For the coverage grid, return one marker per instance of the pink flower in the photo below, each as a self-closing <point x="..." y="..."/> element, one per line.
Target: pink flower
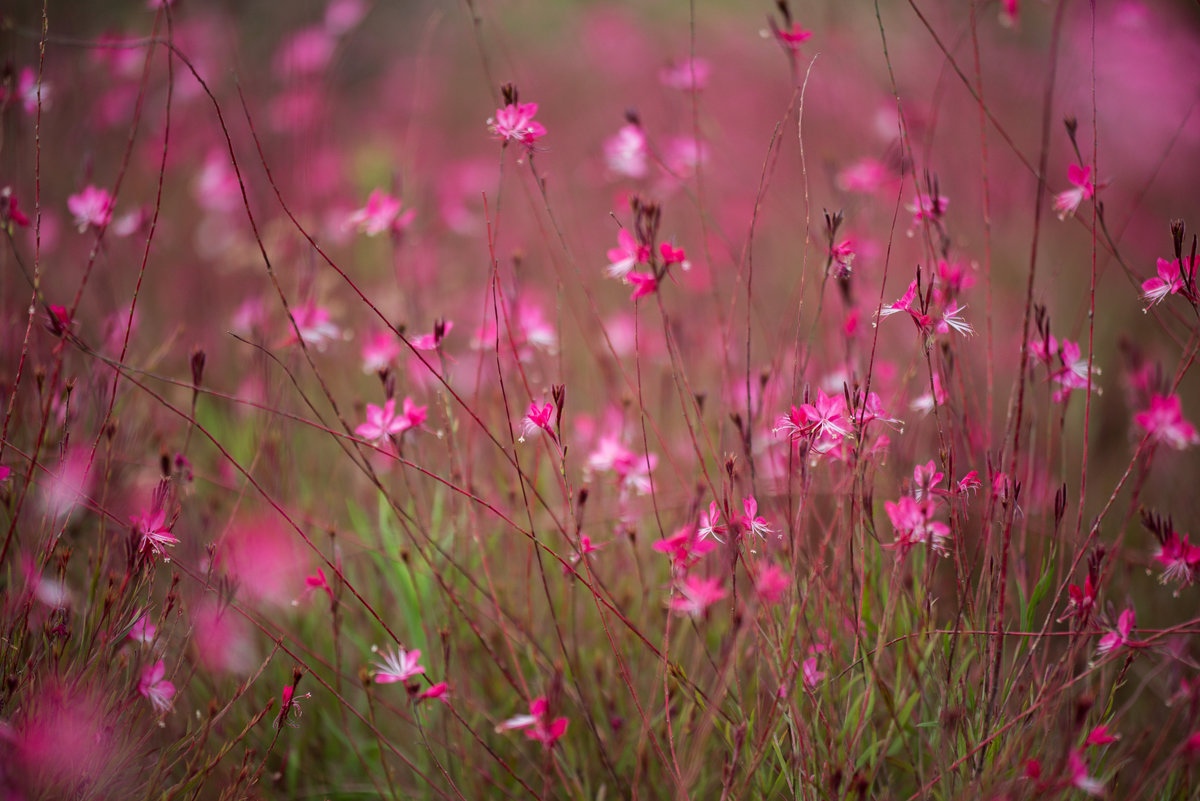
<point x="142" y="631"/>
<point x="793" y="37"/>
<point x="865" y="175"/>
<point x="925" y="478"/>
<point x="626" y="255"/>
<point x="952" y="320"/>
<point x="684" y="548"/>
<point x="384" y="422"/>
<point x="771" y="584"/>
<point x="632" y="471"/>
<point x="538" y="419"/>
<point x="91" y="207"/>
<point x="27" y="91"/>
<point x="1119" y="635"/>
<point x="643" y="284"/>
<point x="909" y="302"/>
<point x="155" y="688"/>
<point x="10" y="209"/>
<point x="1180" y="559"/>
<point x="625" y="151"/>
<point x="585" y="547"/>
<point x="1169" y="281"/>
<point x="436" y="692"/>
<point x="1065" y="203"/>
<point x="812" y="676"/>
<point x="696" y="594"/>
<point x="687" y="75"/>
<point x="954" y="277"/>
<point x="432" y="340"/>
<point x="1100" y="736"/>
<point x="753" y="522"/>
<point x="216" y="187"/>
<point x="156" y="533"/>
<point x="515" y="123"/>
<point x="673" y="255"/>
<point x="538" y="723"/>
<point x="1080" y="779"/>
<point x="289" y="706"/>
<point x="315" y="325"/>
<point x="913" y="523"/>
<point x="382" y="213"/>
<point x="927" y="208"/>
<point x="1082" y="600"/>
<point x="317" y="583"/>
<point x="1074" y="372"/>
<point x="969" y="483"/>
<point x="710" y="523"/>
<point x="398" y="665"/>
<point x="379" y="351"/>
<point x="1164" y="422"/>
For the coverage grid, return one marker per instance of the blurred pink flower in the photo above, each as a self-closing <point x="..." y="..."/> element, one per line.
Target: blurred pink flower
<point x="142" y="631"/>
<point x="771" y="584"/>
<point x="1119" y="635"/>
<point x="155" y="532"/>
<point x="793" y="37"/>
<point x="26" y="91"/>
<point x="538" y="418"/>
<point x="382" y="213"/>
<point x="384" y="422"/>
<point x="626" y="255"/>
<point x="686" y="75"/>
<point x="914" y="524"/>
<point x="92" y="206"/>
<point x="216" y="187"/>
<point x="379" y="350"/>
<point x="865" y="175"/>
<point x="1065" y="203"/>
<point x="155" y="688"/>
<point x="684" y="548"/>
<point x="812" y="676"/>
<point x="643" y="284"/>
<point x="696" y="594"/>
<point x="315" y="325"/>
<point x="625" y="151"/>
<point x="436" y="692"/>
<point x="539" y="725"/>
<point x="289" y="707"/>
<point x="1164" y="422"/>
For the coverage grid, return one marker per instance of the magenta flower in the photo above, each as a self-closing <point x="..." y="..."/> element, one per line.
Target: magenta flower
<point x="379" y="351"/>
<point x="314" y="324"/>
<point x="515" y="123"/>
<point x="539" y="724"/>
<point x="1065" y="203"/>
<point x="142" y="631"/>
<point x="1078" y="770"/>
<point x="793" y="37"/>
<point x="1074" y="372"/>
<point x="1100" y="736"/>
<point x="1180" y="559"/>
<point x="1164" y="422"/>
<point x="289" y="707"/>
<point x="951" y="319"/>
<point x="155" y="532"/>
<point x="626" y="255"/>
<point x="434" y="338"/>
<point x="643" y="284"/>
<point x="1169" y="281"/>
<point x="969" y="483"/>
<point x="752" y="520"/>
<point x="382" y="213"/>
<point x="812" y="676"/>
<point x="771" y="584"/>
<point x="384" y="422"/>
<point x="926" y="477"/>
<point x="710" y="524"/>
<point x="927" y="208"/>
<point x="696" y="594"/>
<point x="317" y="583"/>
<point x="866" y="176"/>
<point x="625" y="152"/>
<point x="538" y="419"/>
<point x="436" y="692"/>
<point x="914" y="524"/>
<point x="155" y="688"/>
<point x="398" y="665"/>
<point x="684" y="548"/>
<point x="1118" y="636"/>
<point x="91" y="207"/>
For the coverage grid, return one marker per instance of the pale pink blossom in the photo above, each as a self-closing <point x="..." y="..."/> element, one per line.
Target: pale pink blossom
<point x="216" y="187"/>
<point x="315" y="325"/>
<point x="626" y="255"/>
<point x="1169" y="281"/>
<point x="93" y="206"/>
<point x="696" y="594"/>
<point x="625" y="152"/>
<point x="710" y="523"/>
<point x="866" y="176"/>
<point x="752" y="520"/>
<point x="1066" y="203"/>
<point x="686" y="75"/>
<point x="380" y="214"/>
<point x="812" y="676"/>
<point x="1119" y="635"/>
<point x="914" y="524"/>
<point x="379" y="350"/>
<point x="684" y="548"/>
<point x="1164" y="422"/>
<point x="397" y="666"/>
<point x="771" y="584"/>
<point x="383" y="422"/>
<point x="156" y="689"/>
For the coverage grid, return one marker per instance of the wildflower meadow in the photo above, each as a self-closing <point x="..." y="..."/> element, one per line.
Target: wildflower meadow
<point x="672" y="399"/>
